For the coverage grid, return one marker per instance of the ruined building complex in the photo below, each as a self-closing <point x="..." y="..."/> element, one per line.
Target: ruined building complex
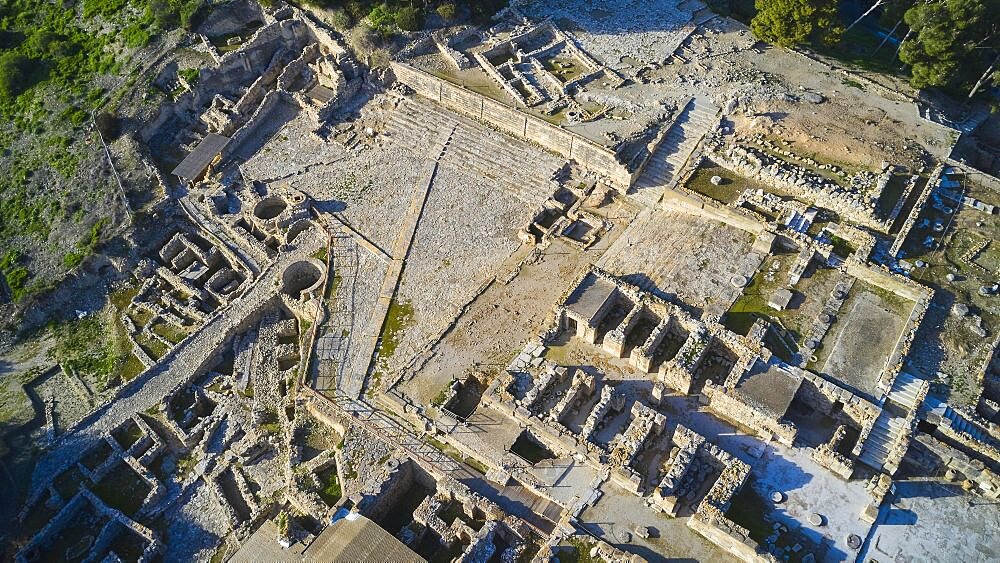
<point x="529" y="289"/>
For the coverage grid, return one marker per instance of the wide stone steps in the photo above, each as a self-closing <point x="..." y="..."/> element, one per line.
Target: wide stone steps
<point x="674" y="150"/>
<point x="524" y="173"/>
<point x="884" y="435"/>
<point x="906" y="389"/>
<point x="960" y="424"/>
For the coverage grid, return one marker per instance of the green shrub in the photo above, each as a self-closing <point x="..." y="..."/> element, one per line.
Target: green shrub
<point x="73" y="258"/>
<point x="74" y="115"/>
<point x="340" y="19"/>
<point x="382" y="18"/>
<point x="190" y="75"/>
<point x="357" y="9"/>
<point x="136" y="36"/>
<point x="447" y="11"/>
<point x="105" y="8"/>
<point x="410" y="19"/>
<point x="12" y="74"/>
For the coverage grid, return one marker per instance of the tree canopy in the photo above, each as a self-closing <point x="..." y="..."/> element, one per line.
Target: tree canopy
<point x="794" y="22"/>
<point x="953" y="42"/>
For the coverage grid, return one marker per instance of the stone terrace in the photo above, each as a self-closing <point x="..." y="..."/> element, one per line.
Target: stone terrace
<point x="677" y="254"/>
<point x="517" y="166"/>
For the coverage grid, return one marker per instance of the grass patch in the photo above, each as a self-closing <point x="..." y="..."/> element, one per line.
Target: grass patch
<point x="727" y="192"/>
<point x="330" y="490"/>
<point x="752" y="303"/>
<point x="398" y="317"/>
<point x="170" y="331"/>
<point x="93" y="346"/>
<point x="152" y="346"/>
<point x="15" y="406"/>
<point x="577" y="550"/>
<point x="842" y="247"/>
<point x="271" y="422"/>
<point x="456" y="455"/>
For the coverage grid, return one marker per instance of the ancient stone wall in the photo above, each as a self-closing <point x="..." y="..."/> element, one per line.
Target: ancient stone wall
<point x="823" y="395"/>
<point x="728" y="407"/>
<point x="272" y="99"/>
<point x="686" y="201"/>
<point x="918" y="207"/>
<point x="727" y="535"/>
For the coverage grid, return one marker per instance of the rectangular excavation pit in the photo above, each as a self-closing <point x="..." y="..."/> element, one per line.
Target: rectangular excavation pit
<point x="564" y="66"/>
<point x="547" y="217"/>
<point x="640" y="332"/>
<point x="74" y="539"/>
<point x="574" y="421"/>
<point x="814" y="427"/>
<point x="696" y="482"/>
<point x="97" y="455"/>
<point x="431" y="548"/>
<point x="530" y="448"/>
<point x="671" y="343"/>
<point x="401" y="513"/>
<point x="548" y="399"/>
<point x="716" y="367"/>
<point x="329" y="485"/>
<point x="227" y="482"/>
<point x="579" y="231"/>
<point x="611" y="424"/>
<point x="454" y="509"/>
<point x="189" y="406"/>
<point x="123" y="489"/>
<point x="565" y="197"/>
<point x="127" y="545"/>
<point x="465" y="401"/>
<point x="621" y="308"/>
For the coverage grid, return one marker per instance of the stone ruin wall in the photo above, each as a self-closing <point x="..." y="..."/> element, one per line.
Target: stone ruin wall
<point x="940" y="455"/>
<point x="822" y="395"/>
<point x="686" y="201"/>
<point x="588" y="154"/>
<point x="729" y="407"/>
<point x="902" y="286"/>
<point x="710" y="519"/>
<point x="828" y="456"/>
<point x="918" y="207"/>
<point x="729" y="536"/>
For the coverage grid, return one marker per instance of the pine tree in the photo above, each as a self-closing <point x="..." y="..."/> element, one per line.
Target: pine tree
<point x="952" y="41"/>
<point x="793" y="22"/>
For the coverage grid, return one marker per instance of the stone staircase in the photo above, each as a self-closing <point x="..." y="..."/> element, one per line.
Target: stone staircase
<point x="891" y="432"/>
<point x="887" y="431"/>
<point x="907" y="390"/>
<point x="961" y="424"/>
<point x="674" y="151"/>
<point x="513" y="165"/>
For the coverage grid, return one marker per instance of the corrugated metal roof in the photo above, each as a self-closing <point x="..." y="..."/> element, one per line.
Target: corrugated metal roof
<point x="349" y="540"/>
<point x="198" y="160"/>
<point x="359" y="539"/>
